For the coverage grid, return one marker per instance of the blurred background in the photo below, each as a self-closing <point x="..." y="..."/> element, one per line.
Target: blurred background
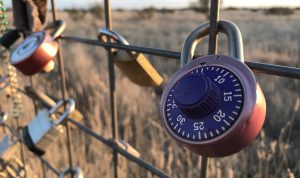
<point x="271" y="34"/>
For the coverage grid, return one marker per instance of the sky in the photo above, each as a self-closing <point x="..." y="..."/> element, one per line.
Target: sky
<point x="135" y="4"/>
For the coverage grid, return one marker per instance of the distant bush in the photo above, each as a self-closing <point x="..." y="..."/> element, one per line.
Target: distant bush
<point x="96" y="10"/>
<point x="198" y="9"/>
<point x="146" y="13"/>
<point x="120" y="10"/>
<point x="75" y="14"/>
<point x="254" y="9"/>
<point x="167" y="11"/>
<point x="231" y="9"/>
<point x="279" y="11"/>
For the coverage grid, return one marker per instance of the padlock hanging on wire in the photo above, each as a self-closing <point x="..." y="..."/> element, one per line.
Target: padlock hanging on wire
<point x="35" y="54"/>
<point x="46" y="101"/>
<point x="134" y="65"/>
<point x="213" y="105"/>
<point x="44" y="129"/>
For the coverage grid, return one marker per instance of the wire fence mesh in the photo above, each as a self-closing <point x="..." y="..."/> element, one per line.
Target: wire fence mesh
<point x="270" y="69"/>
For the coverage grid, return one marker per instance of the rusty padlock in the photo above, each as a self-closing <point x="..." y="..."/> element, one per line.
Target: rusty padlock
<point x="36" y="52"/>
<point x="43" y="130"/>
<point x="213" y="105"/>
<point x="134" y="65"/>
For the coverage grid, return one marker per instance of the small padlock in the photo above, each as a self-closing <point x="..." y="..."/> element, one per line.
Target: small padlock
<point x="43" y="130"/>
<point x="75" y="171"/>
<point x="134" y="65"/>
<point x="45" y="101"/>
<point x="8" y="147"/>
<point x="213" y="105"/>
<point x="36" y="52"/>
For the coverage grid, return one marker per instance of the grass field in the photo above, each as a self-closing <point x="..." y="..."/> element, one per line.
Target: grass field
<point x="267" y="38"/>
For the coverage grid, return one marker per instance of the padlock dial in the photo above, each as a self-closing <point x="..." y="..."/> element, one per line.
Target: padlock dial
<point x="204" y="103"/>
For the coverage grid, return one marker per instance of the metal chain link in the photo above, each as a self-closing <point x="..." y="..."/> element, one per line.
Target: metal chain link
<point x="3" y="18"/>
<point x="17" y="106"/>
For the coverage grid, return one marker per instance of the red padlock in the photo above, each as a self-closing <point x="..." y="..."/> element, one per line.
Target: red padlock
<point x="36" y="52"/>
<point x="213" y="105"/>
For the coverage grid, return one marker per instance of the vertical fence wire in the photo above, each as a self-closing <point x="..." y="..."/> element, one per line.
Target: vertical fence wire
<point x="112" y="88"/>
<point x="63" y="86"/>
<point x="214" y="16"/>
<point x="16" y="106"/>
<point x="212" y="49"/>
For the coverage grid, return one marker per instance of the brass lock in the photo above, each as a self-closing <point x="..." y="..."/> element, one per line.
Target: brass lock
<point x="134" y="65"/>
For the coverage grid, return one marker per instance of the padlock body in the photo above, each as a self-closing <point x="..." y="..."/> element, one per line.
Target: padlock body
<point x="232" y="122"/>
<point x="40" y="133"/>
<point x="239" y="138"/>
<point x="34" y="53"/>
<point x="137" y="68"/>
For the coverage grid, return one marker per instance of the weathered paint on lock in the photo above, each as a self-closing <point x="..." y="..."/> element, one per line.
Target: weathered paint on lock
<point x="214" y="106"/>
<point x="36" y="52"/>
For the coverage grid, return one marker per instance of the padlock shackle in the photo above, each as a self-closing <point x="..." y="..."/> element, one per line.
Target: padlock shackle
<point x="56" y="28"/>
<point x="113" y="35"/>
<point x="76" y="172"/>
<point x="235" y="42"/>
<point x="70" y="107"/>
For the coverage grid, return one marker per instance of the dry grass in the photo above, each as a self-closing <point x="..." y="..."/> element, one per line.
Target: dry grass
<point x="275" y="153"/>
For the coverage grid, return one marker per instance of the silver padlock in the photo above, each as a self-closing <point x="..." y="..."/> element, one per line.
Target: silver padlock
<point x="8" y="147"/>
<point x="43" y="130"/>
<point x="46" y="101"/>
<point x="134" y="65"/>
<point x="75" y="171"/>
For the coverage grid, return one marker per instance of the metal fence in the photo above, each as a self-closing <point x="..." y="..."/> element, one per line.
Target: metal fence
<point x="278" y="70"/>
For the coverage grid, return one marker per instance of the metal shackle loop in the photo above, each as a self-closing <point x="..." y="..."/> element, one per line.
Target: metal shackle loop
<point x="234" y="38"/>
<point x="56" y="28"/>
<point x="70" y="107"/>
<point x="76" y="171"/>
<point x="113" y="35"/>
<point x="119" y="39"/>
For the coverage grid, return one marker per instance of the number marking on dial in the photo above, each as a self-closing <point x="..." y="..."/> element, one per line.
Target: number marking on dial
<point x="218" y="121"/>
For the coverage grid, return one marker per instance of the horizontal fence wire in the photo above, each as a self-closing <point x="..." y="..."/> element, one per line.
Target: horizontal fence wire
<point x="113" y="145"/>
<point x="258" y="67"/>
<point x="49" y="166"/>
